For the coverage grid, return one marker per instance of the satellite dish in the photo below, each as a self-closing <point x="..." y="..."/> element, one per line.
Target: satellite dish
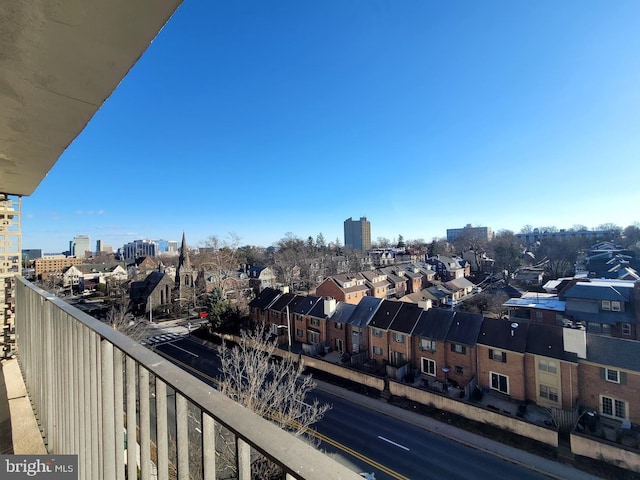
<point x="514" y="325"/>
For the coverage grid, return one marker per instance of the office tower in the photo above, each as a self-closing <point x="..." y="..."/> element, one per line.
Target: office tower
<point x="79" y="246"/>
<point x="139" y="248"/>
<point x="357" y="234"/>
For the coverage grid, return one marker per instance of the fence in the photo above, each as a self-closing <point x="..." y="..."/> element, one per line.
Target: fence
<point x="89" y="385"/>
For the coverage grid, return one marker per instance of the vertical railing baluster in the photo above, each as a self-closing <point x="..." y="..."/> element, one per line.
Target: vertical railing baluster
<point x="83" y="459"/>
<point x="145" y="429"/>
<point x="182" y="436"/>
<point x="162" y="435"/>
<point x="208" y="446"/>
<point x="76" y="386"/>
<point x="48" y="391"/>
<point x="68" y="385"/>
<point x="118" y="392"/>
<point x="59" y="375"/>
<point x="108" y="408"/>
<point x="94" y="431"/>
<point x="243" y="451"/>
<point x="132" y="441"/>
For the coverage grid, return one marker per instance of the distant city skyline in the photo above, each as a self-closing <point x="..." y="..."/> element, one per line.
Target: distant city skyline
<point x="260" y="120"/>
<point x="340" y="239"/>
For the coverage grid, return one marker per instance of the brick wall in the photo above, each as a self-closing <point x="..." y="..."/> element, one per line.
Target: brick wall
<point x="513" y="368"/>
<point x="593" y="386"/>
<point x="466" y="361"/>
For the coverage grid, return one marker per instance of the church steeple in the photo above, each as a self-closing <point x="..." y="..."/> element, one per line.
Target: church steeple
<point x="184" y="261"/>
<point x="184" y="271"/>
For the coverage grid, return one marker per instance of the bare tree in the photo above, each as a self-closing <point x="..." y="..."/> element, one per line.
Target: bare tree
<point x="221" y="259"/>
<point x="119" y="318"/>
<point x="506" y="253"/>
<point x="289" y="257"/>
<point x="274" y="388"/>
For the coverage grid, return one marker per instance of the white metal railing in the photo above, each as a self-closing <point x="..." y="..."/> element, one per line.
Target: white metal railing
<point x="90" y="384"/>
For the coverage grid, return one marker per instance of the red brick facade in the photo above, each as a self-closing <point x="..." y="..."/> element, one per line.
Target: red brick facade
<point x="594" y="386"/>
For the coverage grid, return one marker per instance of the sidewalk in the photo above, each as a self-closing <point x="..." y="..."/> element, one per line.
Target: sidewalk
<point x="19" y="431"/>
<point x="541" y="465"/>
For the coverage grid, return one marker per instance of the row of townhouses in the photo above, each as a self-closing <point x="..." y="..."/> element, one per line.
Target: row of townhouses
<point x="558" y="365"/>
<point x="440" y="280"/>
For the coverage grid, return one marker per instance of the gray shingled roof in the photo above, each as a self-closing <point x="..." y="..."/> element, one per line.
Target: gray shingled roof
<point x="365" y="311"/>
<point x="385" y="314"/>
<point x="406" y="318"/>
<point x="304" y="306"/>
<point x="434" y="323"/>
<point x="503" y="334"/>
<point x="613" y="352"/>
<point x="265" y="298"/>
<point x="282" y="301"/>
<point x="547" y="340"/>
<point x="599" y="291"/>
<point x="343" y="312"/>
<point x="465" y="328"/>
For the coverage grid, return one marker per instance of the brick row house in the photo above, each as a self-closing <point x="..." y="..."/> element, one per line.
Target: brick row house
<point x="349" y="288"/>
<point x="550" y="365"/>
<point x="448" y="268"/>
<point x="386" y="283"/>
<point x="603" y="306"/>
<point x="609" y="378"/>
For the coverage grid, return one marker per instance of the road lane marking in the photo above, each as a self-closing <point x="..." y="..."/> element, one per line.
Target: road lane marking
<point x="393" y="443"/>
<point x="180" y="348"/>
<point x="314" y="433"/>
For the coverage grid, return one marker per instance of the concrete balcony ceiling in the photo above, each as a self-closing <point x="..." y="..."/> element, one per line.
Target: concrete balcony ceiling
<point x="59" y="62"/>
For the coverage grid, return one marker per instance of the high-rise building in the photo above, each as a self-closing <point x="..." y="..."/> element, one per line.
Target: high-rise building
<point x="139" y="248"/>
<point x="102" y="248"/>
<point x="79" y="246"/>
<point x="481" y="233"/>
<point x="357" y="234"/>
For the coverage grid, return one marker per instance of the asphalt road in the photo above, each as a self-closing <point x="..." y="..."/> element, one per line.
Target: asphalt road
<point x="371" y="441"/>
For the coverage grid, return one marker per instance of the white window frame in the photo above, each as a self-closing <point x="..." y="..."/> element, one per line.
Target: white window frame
<point x="314" y="337"/>
<point x="613" y="406"/>
<point x="377" y="351"/>
<point x="431" y="363"/>
<point x="626" y="329"/>
<point x="426" y="344"/>
<point x="616" y="306"/>
<point x="498" y="375"/>
<point x="612" y="375"/>
<point x="606" y="305"/>
<point x="398" y="337"/>
<point x="376" y="332"/>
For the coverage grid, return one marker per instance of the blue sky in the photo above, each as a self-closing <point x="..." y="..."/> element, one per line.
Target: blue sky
<point x="262" y="118"/>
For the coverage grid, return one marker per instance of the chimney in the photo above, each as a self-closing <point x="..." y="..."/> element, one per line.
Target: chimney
<point x="329" y="306"/>
<point x="574" y="339"/>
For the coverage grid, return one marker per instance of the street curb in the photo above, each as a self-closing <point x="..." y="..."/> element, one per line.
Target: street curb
<point x="404" y="415"/>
